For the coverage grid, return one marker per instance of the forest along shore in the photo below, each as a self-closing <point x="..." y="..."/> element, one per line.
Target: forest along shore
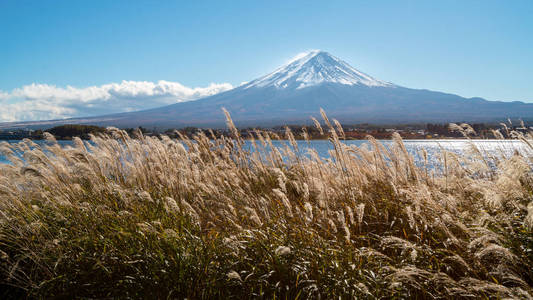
<point x="351" y="132"/>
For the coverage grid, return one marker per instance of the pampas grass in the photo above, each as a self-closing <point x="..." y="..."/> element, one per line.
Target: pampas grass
<point x="205" y="218"/>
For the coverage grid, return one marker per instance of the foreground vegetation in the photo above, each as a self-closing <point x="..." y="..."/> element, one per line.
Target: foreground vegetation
<point x="203" y="218"/>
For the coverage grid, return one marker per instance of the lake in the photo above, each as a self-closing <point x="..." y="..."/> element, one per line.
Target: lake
<point x="432" y="147"/>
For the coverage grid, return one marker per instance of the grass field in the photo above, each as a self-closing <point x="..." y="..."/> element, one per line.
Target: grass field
<point x="203" y="218"/>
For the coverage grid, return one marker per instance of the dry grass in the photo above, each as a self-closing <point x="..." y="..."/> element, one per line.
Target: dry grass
<point x="204" y="218"/>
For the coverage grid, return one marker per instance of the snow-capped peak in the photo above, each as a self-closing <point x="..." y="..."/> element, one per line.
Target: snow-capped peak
<point x="313" y="68"/>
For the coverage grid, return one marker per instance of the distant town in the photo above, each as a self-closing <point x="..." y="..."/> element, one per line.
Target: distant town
<point x="352" y="132"/>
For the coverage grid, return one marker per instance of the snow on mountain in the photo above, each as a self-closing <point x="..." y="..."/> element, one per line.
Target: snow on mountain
<point x="313" y="68"/>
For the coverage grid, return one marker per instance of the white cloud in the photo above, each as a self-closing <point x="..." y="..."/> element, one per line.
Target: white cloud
<point x="3" y="95"/>
<point x="301" y="55"/>
<point x="45" y="102"/>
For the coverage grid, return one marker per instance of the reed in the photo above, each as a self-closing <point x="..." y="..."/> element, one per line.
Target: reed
<point x="205" y="218"/>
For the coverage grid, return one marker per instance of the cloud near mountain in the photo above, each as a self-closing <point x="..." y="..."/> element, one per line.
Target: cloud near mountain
<point x="45" y="102"/>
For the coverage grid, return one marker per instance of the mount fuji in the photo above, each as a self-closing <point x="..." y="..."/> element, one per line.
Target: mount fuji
<point x="314" y="80"/>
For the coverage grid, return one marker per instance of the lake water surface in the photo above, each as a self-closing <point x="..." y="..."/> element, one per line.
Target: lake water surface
<point x="432" y="147"/>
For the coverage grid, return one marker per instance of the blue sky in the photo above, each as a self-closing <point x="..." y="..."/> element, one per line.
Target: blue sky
<point x="471" y="48"/>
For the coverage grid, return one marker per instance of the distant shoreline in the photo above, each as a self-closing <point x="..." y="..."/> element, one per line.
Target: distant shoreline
<point x="427" y="131"/>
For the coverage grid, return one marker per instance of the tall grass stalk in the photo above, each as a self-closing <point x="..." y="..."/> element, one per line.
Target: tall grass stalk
<point x="205" y="218"/>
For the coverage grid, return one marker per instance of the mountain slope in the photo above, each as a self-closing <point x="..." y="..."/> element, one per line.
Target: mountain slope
<point x="297" y="90"/>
